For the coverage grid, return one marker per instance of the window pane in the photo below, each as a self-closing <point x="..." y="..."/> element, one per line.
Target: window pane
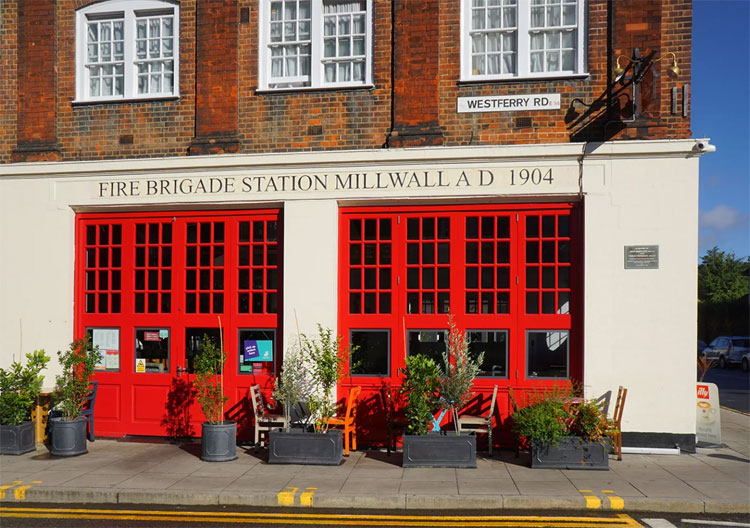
<point x="494" y="344"/>
<point x="430" y="343"/>
<point x="152" y="346"/>
<point x="547" y="354"/>
<point x="370" y="353"/>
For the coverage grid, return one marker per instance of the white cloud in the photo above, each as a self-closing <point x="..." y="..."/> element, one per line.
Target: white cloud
<point x="721" y="217"/>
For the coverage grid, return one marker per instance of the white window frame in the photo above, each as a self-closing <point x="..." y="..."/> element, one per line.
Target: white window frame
<point x="523" y="46"/>
<point x="317" y="60"/>
<point x="127" y="11"/>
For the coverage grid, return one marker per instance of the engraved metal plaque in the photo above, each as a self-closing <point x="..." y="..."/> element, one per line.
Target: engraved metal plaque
<point x="641" y="257"/>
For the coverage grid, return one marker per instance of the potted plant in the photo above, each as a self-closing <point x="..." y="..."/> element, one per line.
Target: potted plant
<point x="427" y="388"/>
<point x="311" y="371"/>
<point x="68" y="431"/>
<point x="218" y="436"/>
<point x="19" y="389"/>
<point x="564" y="432"/>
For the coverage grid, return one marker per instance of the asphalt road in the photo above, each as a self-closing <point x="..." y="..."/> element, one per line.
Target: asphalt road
<point x="117" y="516"/>
<point x="734" y="387"/>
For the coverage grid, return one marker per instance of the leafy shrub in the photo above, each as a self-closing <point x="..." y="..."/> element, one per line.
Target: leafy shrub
<point x="20" y="387"/>
<point x="459" y="371"/>
<point x="72" y="385"/>
<point x="421" y="384"/>
<point x="208" y="365"/>
<point x="589" y="421"/>
<point x="543" y="422"/>
<point x="291" y="385"/>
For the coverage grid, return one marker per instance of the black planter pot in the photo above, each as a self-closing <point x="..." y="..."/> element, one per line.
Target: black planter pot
<point x="67" y="437"/>
<point x="17" y="439"/>
<point x="571" y="453"/>
<point x="219" y="442"/>
<point x="438" y="450"/>
<point x="298" y="447"/>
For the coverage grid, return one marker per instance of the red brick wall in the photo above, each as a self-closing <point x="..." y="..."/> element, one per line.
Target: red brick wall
<point x="423" y="96"/>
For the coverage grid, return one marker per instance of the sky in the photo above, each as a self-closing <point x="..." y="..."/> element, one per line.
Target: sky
<point x="721" y="111"/>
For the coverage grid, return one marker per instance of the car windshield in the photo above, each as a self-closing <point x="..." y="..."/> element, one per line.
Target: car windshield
<point x="741" y="342"/>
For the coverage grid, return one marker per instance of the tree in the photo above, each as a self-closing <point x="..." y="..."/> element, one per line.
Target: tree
<point x="722" y="277"/>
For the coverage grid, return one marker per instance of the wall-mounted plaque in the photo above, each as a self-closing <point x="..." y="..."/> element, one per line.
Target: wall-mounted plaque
<point x="641" y="257"/>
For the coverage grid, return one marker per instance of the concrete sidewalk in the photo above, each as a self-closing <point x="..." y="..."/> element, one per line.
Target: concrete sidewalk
<point x="128" y="472"/>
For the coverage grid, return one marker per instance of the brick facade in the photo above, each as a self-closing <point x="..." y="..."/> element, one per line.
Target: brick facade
<point x="416" y="81"/>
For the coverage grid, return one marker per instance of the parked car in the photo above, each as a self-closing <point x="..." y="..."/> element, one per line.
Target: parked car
<point x="728" y="350"/>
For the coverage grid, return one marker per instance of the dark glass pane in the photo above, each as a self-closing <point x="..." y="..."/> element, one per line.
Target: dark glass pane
<point x="218" y="279"/>
<point x="428" y="253"/>
<point x="503" y="252"/>
<point x="243" y="303"/>
<point x="191" y="257"/>
<point x="103" y="280"/>
<point x="272" y="231"/>
<point x="90" y="303"/>
<point x="548" y="226"/>
<point x="371" y="352"/>
<point x="532" y="252"/>
<point x="385" y="254"/>
<point x="412" y="229"/>
<point x="194" y="343"/>
<point x="532" y="277"/>
<point x="563" y="277"/>
<point x="430" y="343"/>
<point x="371" y="282"/>
<point x="166" y="256"/>
<point x="272" y="254"/>
<point x="271" y="276"/>
<point x="166" y="233"/>
<point x="428" y="278"/>
<point x="90" y="235"/>
<point x="472" y="227"/>
<point x="257" y="255"/>
<point x="244" y="279"/>
<point x="370" y="303"/>
<point x="503" y="302"/>
<point x="117" y="234"/>
<point x="153" y="303"/>
<point x="428" y="303"/>
<point x="257" y="279"/>
<point x="140" y="233"/>
<point x="219" y="232"/>
<point x="90" y="280"/>
<point x="444" y="302"/>
<point x="428" y="228"/>
<point x="412" y="303"/>
<point x="547" y="354"/>
<point x="371" y="254"/>
<point x="412" y="278"/>
<point x="116" y="304"/>
<point x="91" y="258"/>
<point x="494" y="346"/>
<point x="218" y="256"/>
<point x="472" y="277"/>
<point x="548" y="277"/>
<point x="153" y="279"/>
<point x="355" y="254"/>
<point x="488" y="278"/>
<point x="204" y="303"/>
<point x="166" y="280"/>
<point x="503" y="227"/>
<point x="563" y="249"/>
<point x="385" y="303"/>
<point x="153" y="256"/>
<point x="355" y="278"/>
<point x="548" y="251"/>
<point x="272" y="303"/>
<point x="103" y="257"/>
<point x="257" y="303"/>
<point x="355" y="229"/>
<point x="205" y="255"/>
<point x="385" y="279"/>
<point x="192" y="233"/>
<point x="244" y="255"/>
<point x="548" y="302"/>
<point x="244" y="231"/>
<point x="385" y="229"/>
<point x="140" y="280"/>
<point x="412" y="253"/>
<point x="205" y="279"/>
<point x="116" y="280"/>
<point x="190" y="280"/>
<point x="205" y="232"/>
<point x="371" y="229"/>
<point x="563" y="302"/>
<point x="444" y="279"/>
<point x="153" y="233"/>
<point x="355" y="303"/>
<point x="116" y="257"/>
<point x="563" y="226"/>
<point x="218" y="303"/>
<point x="140" y="303"/>
<point x="472" y="302"/>
<point x="444" y="253"/>
<point x="104" y="234"/>
<point x="190" y="302"/>
<point x="532" y="227"/>
<point x="503" y="277"/>
<point x="488" y="227"/>
<point x="488" y="302"/>
<point x="103" y="303"/>
<point x="444" y="228"/>
<point x="488" y="253"/>
<point x="532" y="303"/>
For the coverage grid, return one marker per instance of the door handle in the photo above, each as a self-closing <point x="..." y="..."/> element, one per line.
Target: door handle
<point x="180" y="370"/>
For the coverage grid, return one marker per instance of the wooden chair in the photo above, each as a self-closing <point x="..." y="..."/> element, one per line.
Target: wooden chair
<point x="616" y="435"/>
<point x="393" y="424"/>
<point x="349" y="421"/>
<point x="88" y="408"/>
<point x="264" y="421"/>
<point x="481" y="423"/>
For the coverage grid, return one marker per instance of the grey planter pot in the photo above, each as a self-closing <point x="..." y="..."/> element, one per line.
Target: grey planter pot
<point x="17" y="439"/>
<point x="219" y="442"/>
<point x="571" y="453"/>
<point x="67" y="437"/>
<point x="437" y="450"/>
<point x="297" y="447"/>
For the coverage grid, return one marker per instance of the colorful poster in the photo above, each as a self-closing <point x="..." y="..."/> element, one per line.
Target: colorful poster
<point x="708" y="414"/>
<point x="258" y="350"/>
<point x="108" y="341"/>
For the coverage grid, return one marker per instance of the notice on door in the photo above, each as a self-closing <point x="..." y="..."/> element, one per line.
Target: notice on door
<point x="140" y="365"/>
<point x="708" y="415"/>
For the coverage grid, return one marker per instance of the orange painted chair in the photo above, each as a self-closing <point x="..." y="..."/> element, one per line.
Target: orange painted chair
<point x="616" y="435"/>
<point x="349" y="421"/>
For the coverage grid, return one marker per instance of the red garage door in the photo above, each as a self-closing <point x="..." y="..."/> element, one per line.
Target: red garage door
<point x="509" y="275"/>
<point x="150" y="286"/>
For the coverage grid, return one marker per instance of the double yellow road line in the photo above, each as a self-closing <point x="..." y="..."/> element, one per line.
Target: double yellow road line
<point x="616" y="521"/>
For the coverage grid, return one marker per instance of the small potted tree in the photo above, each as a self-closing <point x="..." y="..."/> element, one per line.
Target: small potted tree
<point x="564" y="432"/>
<point x="427" y="389"/>
<point x="218" y="436"/>
<point x="19" y="389"/>
<point x="68" y="431"/>
<point x="321" y="361"/>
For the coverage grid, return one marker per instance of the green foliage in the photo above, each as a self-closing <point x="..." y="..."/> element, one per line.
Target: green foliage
<point x="328" y="360"/>
<point x="72" y="385"/>
<point x="291" y="386"/>
<point x="20" y="387"/>
<point x="421" y="384"/>
<point x="208" y="364"/>
<point x="542" y="422"/>
<point x="459" y="370"/>
<point x="722" y="276"/>
<point x="589" y="421"/>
